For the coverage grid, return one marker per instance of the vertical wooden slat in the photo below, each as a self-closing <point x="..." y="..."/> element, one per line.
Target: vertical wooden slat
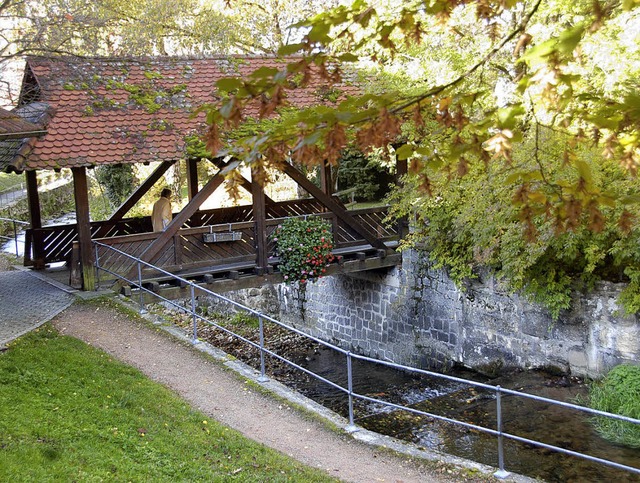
<point x="177" y="248"/>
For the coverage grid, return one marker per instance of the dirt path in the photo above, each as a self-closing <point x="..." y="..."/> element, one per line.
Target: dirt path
<point x="210" y="387"/>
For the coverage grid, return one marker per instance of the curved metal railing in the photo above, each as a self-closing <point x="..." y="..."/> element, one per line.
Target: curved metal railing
<point x="498" y="431"/>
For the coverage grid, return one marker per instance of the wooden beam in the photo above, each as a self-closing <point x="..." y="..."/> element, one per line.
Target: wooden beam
<point x="141" y="191"/>
<point x="83" y="220"/>
<point x="326" y="182"/>
<point x="260" y="217"/>
<point x="192" y="177"/>
<point x="339" y="210"/>
<point x="187" y="212"/>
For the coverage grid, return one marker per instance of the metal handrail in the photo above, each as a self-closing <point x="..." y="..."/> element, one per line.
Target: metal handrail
<point x="14" y="193"/>
<point x="499" y="391"/>
<point x="15" y="232"/>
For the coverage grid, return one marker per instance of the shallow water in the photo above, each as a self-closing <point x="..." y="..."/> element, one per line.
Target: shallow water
<point x="550" y="424"/>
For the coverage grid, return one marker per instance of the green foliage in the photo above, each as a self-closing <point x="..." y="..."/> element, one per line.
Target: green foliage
<point x="118" y="181"/>
<point x="76" y="414"/>
<point x="618" y="393"/>
<point x="10" y="180"/>
<point x="368" y="177"/>
<point x="304" y="247"/>
<point x="455" y="87"/>
<point x="476" y="223"/>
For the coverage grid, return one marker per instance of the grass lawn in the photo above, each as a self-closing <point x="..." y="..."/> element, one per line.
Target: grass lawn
<point x="69" y="412"/>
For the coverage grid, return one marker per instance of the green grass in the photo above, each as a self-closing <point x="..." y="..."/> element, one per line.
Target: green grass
<point x="69" y="412"/>
<point x="10" y="180"/>
<point x="618" y="393"/>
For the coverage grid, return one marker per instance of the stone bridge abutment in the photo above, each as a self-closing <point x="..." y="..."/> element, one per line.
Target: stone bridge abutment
<point x="416" y="315"/>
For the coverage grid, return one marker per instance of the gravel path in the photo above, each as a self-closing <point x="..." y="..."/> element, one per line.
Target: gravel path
<point x="212" y="388"/>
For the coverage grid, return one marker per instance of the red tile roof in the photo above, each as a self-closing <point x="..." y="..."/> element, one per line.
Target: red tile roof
<point x="110" y="111"/>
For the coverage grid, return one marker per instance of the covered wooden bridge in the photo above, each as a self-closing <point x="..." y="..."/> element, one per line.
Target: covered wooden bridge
<point x="98" y="112"/>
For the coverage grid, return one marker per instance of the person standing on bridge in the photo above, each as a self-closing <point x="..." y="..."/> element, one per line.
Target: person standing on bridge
<point x="161" y="214"/>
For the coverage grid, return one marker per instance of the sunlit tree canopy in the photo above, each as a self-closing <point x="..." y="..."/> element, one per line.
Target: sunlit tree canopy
<point x="519" y="122"/>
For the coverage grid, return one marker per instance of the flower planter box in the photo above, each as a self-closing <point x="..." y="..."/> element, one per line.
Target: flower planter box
<point x="225" y="236"/>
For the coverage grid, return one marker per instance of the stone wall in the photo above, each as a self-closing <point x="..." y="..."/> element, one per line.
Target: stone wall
<point x="415" y="315"/>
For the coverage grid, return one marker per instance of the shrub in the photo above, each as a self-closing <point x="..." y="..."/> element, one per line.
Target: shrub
<point x="618" y="393"/>
<point x="304" y="247"/>
<point x="118" y="182"/>
<point x="370" y="179"/>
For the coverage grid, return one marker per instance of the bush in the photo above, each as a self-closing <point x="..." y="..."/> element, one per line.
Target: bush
<point x="370" y="179"/>
<point x="304" y="247"/>
<point x="618" y="393"/>
<point x="118" y="182"/>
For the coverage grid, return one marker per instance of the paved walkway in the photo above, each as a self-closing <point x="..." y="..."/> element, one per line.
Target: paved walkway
<point x="26" y="302"/>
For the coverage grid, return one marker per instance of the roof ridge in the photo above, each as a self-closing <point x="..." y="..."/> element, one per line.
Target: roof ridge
<point x="159" y="58"/>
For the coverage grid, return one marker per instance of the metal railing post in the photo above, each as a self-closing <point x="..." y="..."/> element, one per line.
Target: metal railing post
<point x="143" y="309"/>
<point x="351" y="427"/>
<point x="193" y="314"/>
<point x="97" y="257"/>
<point x="501" y="473"/>
<point x="263" y="376"/>
<point x="15" y="236"/>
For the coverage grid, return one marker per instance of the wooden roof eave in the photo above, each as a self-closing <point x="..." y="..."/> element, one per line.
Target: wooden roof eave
<point x="19" y="162"/>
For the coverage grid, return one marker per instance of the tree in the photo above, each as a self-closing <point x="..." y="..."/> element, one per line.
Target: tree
<point x="527" y="65"/>
<point x="146" y="27"/>
<point x="520" y="122"/>
<point x="118" y="180"/>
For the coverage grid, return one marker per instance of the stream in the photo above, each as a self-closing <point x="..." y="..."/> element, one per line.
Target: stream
<point x="526" y="418"/>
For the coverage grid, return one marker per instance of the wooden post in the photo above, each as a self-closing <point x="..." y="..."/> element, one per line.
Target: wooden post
<point x="326" y="182"/>
<point x="192" y="177"/>
<point x="35" y="218"/>
<point x="81" y="195"/>
<point x="260" y="217"/>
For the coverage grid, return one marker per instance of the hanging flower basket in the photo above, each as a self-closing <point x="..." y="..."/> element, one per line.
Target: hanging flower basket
<point x="304" y="247"/>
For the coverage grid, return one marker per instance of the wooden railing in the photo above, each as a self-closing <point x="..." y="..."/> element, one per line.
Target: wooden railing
<point x="195" y="245"/>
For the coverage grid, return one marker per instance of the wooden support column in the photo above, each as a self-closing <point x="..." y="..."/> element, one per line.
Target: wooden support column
<point x="260" y="217"/>
<point x="192" y="177"/>
<point x="81" y="195"/>
<point x="326" y="182"/>
<point x="35" y="218"/>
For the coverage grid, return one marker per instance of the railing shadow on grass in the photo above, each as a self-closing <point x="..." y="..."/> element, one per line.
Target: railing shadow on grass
<point x="498" y="432"/>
